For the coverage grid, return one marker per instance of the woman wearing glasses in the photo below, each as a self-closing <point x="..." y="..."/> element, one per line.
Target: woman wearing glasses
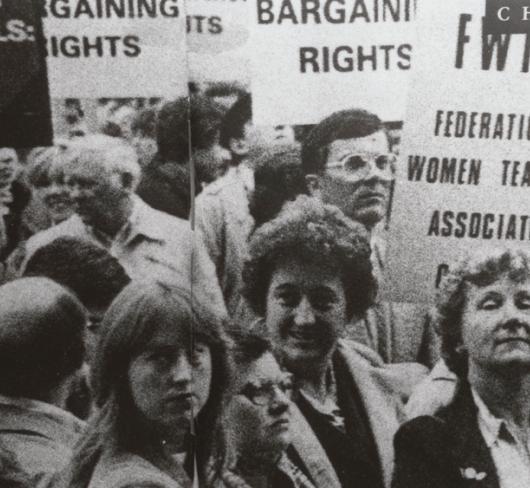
<point x="258" y="422"/>
<point x="159" y="368"/>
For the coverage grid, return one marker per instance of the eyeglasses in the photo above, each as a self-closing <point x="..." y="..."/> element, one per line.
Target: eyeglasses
<point x="265" y="393"/>
<point x="93" y="323"/>
<point x="361" y="163"/>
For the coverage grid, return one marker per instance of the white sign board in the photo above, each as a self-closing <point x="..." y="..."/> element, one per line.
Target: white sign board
<point x="311" y="58"/>
<point x="105" y="48"/>
<point x="218" y="33"/>
<point x="463" y="177"/>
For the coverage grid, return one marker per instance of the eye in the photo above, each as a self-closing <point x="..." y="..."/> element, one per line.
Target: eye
<point x="322" y="301"/>
<point x="383" y="161"/>
<point x="524" y="302"/>
<point x="353" y="163"/>
<point x="490" y="304"/>
<point x="199" y="353"/>
<point x="289" y="298"/>
<point x="286" y="386"/>
<point x="161" y="358"/>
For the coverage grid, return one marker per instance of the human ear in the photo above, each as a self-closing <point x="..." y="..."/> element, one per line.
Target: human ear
<point x="127" y="181"/>
<point x="313" y="185"/>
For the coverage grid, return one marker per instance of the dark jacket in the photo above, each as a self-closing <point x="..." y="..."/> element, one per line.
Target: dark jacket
<point x="444" y="451"/>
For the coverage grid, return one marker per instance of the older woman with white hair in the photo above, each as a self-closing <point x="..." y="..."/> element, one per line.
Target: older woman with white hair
<point x="482" y="438"/>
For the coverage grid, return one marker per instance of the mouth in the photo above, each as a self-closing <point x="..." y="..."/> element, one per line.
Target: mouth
<point x="182" y="400"/>
<point x="282" y="424"/>
<point x="58" y="203"/>
<point x="372" y="196"/>
<point x="307" y="335"/>
<point x="514" y="340"/>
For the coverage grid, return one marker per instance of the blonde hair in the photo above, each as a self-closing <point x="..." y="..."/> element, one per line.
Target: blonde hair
<point x="115" y="155"/>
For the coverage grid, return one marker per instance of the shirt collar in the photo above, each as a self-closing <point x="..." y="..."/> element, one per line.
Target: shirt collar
<point x="330" y="407"/>
<point x="492" y="428"/>
<point x="243" y="173"/>
<point x="140" y="222"/>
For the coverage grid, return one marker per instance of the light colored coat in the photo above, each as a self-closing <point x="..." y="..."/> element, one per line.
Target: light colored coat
<point x="126" y="470"/>
<point x="224" y="223"/>
<point x="383" y="390"/>
<point x="155" y="245"/>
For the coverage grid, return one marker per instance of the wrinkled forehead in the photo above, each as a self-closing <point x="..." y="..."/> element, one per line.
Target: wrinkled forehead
<point x="87" y="164"/>
<point x="508" y="283"/>
<point x="8" y="155"/>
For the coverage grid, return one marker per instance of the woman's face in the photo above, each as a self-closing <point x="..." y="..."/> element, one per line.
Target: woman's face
<point x="56" y="198"/>
<point x="260" y="410"/>
<point x="170" y="382"/>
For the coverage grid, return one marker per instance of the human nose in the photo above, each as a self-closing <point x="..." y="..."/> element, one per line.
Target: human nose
<point x="55" y="187"/>
<point x="513" y="316"/>
<point x="181" y="370"/>
<point x="378" y="173"/>
<point x="74" y="190"/>
<point x="280" y="401"/>
<point x="304" y="313"/>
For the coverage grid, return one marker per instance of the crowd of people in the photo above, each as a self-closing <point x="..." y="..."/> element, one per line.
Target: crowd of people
<point x="197" y="301"/>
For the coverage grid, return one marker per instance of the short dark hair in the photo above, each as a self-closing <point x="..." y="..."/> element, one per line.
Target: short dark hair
<point x="317" y="233"/>
<point x="144" y="123"/>
<point x="89" y="271"/>
<point x="41" y="336"/>
<point x="196" y="119"/>
<point x="248" y="346"/>
<point x="480" y="269"/>
<point x="345" y="124"/>
<point x="225" y="89"/>
<point x="278" y="178"/>
<point x="233" y="126"/>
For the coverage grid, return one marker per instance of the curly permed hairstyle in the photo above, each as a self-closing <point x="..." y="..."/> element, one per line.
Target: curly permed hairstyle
<point x="307" y="229"/>
<point x="480" y="269"/>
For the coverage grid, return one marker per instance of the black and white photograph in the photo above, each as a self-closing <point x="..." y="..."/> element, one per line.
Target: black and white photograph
<point x="264" y="244"/>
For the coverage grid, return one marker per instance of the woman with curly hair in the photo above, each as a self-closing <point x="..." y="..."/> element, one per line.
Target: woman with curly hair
<point x="482" y="437"/>
<point x="158" y="376"/>
<point x="308" y="273"/>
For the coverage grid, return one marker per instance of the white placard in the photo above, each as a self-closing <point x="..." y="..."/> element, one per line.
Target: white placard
<point x="116" y="48"/>
<point x="463" y="177"/>
<point x="311" y="58"/>
<point x="218" y="33"/>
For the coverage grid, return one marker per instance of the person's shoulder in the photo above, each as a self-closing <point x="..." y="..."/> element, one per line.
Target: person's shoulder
<point x="396" y="378"/>
<point x="127" y="470"/>
<point x="73" y="226"/>
<point x="223" y="187"/>
<point x="356" y="351"/>
<point x="163" y="219"/>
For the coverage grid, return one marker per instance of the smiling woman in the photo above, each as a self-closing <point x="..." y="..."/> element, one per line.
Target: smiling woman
<point x="159" y="368"/>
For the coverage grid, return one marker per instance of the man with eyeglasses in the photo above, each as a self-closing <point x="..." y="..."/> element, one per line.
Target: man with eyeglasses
<point x="348" y="163"/>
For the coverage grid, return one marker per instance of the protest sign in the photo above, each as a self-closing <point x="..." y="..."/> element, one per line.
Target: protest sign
<point x="463" y="179"/>
<point x="217" y="36"/>
<point x="311" y="58"/>
<point x="25" y="118"/>
<point x="116" y="48"/>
